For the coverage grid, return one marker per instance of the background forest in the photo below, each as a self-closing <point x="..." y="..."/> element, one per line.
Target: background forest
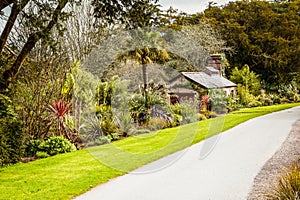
<point x="45" y="47"/>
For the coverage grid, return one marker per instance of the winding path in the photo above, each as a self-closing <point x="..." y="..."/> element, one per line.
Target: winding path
<point x="227" y="173"/>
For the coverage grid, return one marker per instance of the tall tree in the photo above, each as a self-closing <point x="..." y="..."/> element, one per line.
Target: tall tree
<point x="265" y="35"/>
<point x="82" y="35"/>
<point x="131" y="13"/>
<point x="144" y="47"/>
<point x="5" y="3"/>
<point x="44" y="16"/>
<point x="33" y="38"/>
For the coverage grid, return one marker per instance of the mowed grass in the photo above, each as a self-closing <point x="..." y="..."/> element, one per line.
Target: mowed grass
<point x="69" y="175"/>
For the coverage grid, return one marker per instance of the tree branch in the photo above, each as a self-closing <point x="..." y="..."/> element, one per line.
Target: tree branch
<point x="9" y="74"/>
<point x="10" y="22"/>
<point x="5" y="3"/>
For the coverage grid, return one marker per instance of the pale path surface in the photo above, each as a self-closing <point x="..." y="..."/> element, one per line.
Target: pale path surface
<point x="227" y="173"/>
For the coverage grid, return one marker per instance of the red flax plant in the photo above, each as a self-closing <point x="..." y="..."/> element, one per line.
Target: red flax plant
<point x="58" y="110"/>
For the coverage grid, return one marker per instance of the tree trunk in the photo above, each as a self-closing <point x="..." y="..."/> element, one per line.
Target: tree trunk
<point x="5" y="3"/>
<point x="10" y="22"/>
<point x="145" y="80"/>
<point x="10" y="74"/>
<point x="145" y="76"/>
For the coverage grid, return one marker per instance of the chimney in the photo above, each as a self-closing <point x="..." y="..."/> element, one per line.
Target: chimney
<point x="214" y="61"/>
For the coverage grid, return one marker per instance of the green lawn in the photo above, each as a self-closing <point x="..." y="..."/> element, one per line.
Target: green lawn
<point x="68" y="175"/>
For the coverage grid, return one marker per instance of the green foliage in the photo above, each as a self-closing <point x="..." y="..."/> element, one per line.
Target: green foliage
<point x="82" y="169"/>
<point x="218" y="101"/>
<point x="244" y="96"/>
<point x="275" y="98"/>
<point x="246" y="78"/>
<point x="104" y="140"/>
<point x="41" y="154"/>
<point x="6" y="109"/>
<point x="33" y="146"/>
<point x="58" y="144"/>
<point x="231" y="103"/>
<point x="11" y="141"/>
<point x="91" y="129"/>
<point x="265" y="99"/>
<point x="125" y="123"/>
<point x="121" y="108"/>
<point x="104" y="93"/>
<point x="11" y="135"/>
<point x="132" y="13"/>
<point x="288" y="185"/>
<point x="113" y="136"/>
<point x="109" y="126"/>
<point x="289" y="91"/>
<point x="141" y="131"/>
<point x="264" y="35"/>
<point x="207" y="114"/>
<point x="156" y="123"/>
<point x="52" y="146"/>
<point x="254" y="103"/>
<point x="137" y="105"/>
<point x="36" y="87"/>
<point x="185" y="112"/>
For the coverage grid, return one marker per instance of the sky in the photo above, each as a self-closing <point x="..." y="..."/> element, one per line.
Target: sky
<point x="190" y="6"/>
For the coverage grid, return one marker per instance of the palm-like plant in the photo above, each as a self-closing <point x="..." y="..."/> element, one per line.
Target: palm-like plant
<point x="58" y="110"/>
<point x="144" y="47"/>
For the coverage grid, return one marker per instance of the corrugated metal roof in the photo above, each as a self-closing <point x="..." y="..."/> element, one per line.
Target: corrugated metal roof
<point x="208" y="81"/>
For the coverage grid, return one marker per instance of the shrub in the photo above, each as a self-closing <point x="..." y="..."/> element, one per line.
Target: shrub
<point x="33" y="146"/>
<point x="208" y="114"/>
<point x="141" y="131"/>
<point x="218" y="101"/>
<point x="11" y="135"/>
<point x="254" y="103"/>
<point x="156" y="123"/>
<point x="177" y="119"/>
<point x="91" y="129"/>
<point x="113" y="136"/>
<point x="11" y="141"/>
<point x="288" y="91"/>
<point x="185" y="112"/>
<point x="176" y="109"/>
<point x="275" y="98"/>
<point x="58" y="144"/>
<point x="51" y="146"/>
<point x="42" y="154"/>
<point x="104" y="140"/>
<point x="244" y="96"/>
<point x="231" y="103"/>
<point x="109" y="126"/>
<point x="265" y="99"/>
<point x="247" y="78"/>
<point x="125" y="123"/>
<point x="288" y="186"/>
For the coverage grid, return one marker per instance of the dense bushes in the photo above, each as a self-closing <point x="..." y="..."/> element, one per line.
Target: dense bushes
<point x="11" y="141"/>
<point x="185" y="112"/>
<point x="11" y="135"/>
<point x="52" y="146"/>
<point x="251" y="94"/>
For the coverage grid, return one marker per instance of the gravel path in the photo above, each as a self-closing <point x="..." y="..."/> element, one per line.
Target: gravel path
<point x="286" y="155"/>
